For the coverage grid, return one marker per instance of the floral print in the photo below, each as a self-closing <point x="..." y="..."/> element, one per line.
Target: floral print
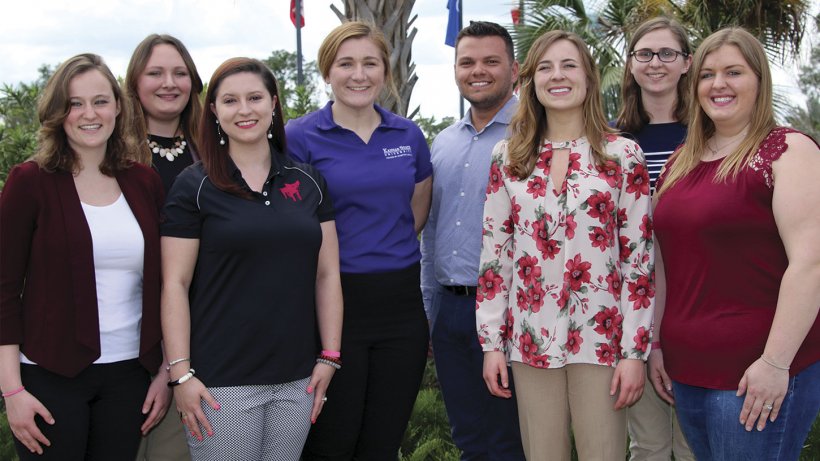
<point x="568" y="277"/>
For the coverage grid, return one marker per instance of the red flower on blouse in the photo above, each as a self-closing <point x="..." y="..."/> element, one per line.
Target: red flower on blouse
<point x="529" y="270"/>
<point x="600" y="238"/>
<point x="537" y="187"/>
<point x="571" y="225"/>
<point x="527" y="347"/>
<point x="610" y="172"/>
<point x="646" y="227"/>
<point x="489" y="285"/>
<point x="547" y="246"/>
<point x="496" y="179"/>
<point x="535" y="297"/>
<point x="507" y="326"/>
<point x="521" y="299"/>
<point x="539" y="361"/>
<point x="544" y="161"/>
<point x="642" y="339"/>
<point x="625" y="249"/>
<point x="606" y="354"/>
<point x="577" y="273"/>
<point x="574" y="341"/>
<point x="613" y="281"/>
<point x="600" y="206"/>
<point x="641" y="292"/>
<point x="608" y="322"/>
<point x="638" y="181"/>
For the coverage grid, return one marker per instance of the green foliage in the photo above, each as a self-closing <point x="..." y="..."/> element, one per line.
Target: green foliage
<point x="297" y="100"/>
<point x="430" y="126"/>
<point x="428" y="434"/>
<point x="6" y="438"/>
<point x="18" y="121"/>
<point x="808" y="120"/>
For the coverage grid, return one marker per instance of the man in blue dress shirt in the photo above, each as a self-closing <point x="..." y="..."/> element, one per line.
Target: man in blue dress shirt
<point x="484" y="427"/>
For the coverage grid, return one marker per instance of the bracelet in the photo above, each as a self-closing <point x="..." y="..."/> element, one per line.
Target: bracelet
<point x="14" y="392"/>
<point x="656" y="346"/>
<point x="330" y="358"/>
<point x="331" y="363"/>
<point x="334" y="354"/>
<point x="768" y="362"/>
<point x="183" y="378"/>
<point x="174" y="362"/>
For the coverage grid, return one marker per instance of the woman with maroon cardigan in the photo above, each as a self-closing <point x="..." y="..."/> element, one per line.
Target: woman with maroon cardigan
<point x="80" y="279"/>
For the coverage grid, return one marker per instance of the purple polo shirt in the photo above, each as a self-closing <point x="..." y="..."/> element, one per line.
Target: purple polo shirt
<point x="371" y="185"/>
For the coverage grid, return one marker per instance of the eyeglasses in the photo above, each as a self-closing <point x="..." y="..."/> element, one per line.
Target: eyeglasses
<point x="665" y="55"/>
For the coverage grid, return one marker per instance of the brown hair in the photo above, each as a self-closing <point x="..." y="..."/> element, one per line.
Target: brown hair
<point x="529" y="124"/>
<point x="54" y="152"/>
<point x="189" y="119"/>
<point x="215" y="157"/>
<point x="633" y="116"/>
<point x="701" y="127"/>
<point x="356" y="29"/>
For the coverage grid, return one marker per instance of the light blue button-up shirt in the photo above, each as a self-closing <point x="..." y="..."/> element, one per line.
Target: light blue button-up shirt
<point x="451" y="240"/>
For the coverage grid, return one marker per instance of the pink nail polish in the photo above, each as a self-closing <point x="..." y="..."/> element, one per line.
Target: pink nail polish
<point x="309" y="389"/>
<point x="217" y="406"/>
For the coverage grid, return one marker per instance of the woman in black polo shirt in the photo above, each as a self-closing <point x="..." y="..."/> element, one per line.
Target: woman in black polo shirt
<point x="250" y="277"/>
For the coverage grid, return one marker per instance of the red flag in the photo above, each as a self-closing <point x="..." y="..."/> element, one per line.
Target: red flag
<point x="301" y="13"/>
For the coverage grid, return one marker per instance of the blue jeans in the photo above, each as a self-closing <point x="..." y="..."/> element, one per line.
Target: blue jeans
<point x="711" y="421"/>
<point x="484" y="427"/>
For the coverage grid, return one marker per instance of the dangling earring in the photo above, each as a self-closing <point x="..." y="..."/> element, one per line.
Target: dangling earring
<point x="270" y="130"/>
<point x="219" y="133"/>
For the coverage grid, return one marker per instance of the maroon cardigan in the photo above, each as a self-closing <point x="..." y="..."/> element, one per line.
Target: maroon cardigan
<point x="48" y="294"/>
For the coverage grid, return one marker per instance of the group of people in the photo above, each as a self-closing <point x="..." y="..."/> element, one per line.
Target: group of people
<point x="265" y="279"/>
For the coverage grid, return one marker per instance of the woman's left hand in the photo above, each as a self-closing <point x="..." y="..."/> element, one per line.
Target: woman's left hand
<point x="627" y="381"/>
<point x="765" y="387"/>
<point x="319" y="380"/>
<point x="157" y="401"/>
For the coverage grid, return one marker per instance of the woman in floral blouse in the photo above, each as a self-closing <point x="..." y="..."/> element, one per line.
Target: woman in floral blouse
<point x="566" y="281"/>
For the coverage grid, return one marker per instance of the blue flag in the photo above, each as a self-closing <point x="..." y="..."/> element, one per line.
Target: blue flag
<point x="453" y="22"/>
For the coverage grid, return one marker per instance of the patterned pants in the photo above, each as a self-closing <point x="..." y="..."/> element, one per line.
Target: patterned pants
<point x="268" y="423"/>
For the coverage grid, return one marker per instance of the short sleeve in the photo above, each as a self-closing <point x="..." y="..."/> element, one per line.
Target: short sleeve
<point x="424" y="167"/>
<point x="296" y="146"/>
<point x="181" y="216"/>
<point x="325" y="211"/>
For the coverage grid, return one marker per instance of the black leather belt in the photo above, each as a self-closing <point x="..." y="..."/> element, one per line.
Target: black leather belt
<point x="460" y="290"/>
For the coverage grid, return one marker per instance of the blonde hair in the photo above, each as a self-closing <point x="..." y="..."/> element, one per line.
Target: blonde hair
<point x="356" y="29"/>
<point x="701" y="127"/>
<point x="529" y="124"/>
<point x="54" y="152"/>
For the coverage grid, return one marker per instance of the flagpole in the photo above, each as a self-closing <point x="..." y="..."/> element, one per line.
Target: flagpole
<point x="460" y="97"/>
<point x="299" y="75"/>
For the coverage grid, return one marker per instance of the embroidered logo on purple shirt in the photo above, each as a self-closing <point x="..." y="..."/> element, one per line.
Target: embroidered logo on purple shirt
<point x="396" y="152"/>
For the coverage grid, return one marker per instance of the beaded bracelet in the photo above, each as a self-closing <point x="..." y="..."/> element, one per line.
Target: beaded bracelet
<point x="14" y="392"/>
<point x="334" y="354"/>
<point x="331" y="363"/>
<point x="330" y="358"/>
<point x="174" y="362"/>
<point x="183" y="378"/>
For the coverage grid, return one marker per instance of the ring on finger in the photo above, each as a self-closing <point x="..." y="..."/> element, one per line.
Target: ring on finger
<point x="324" y="399"/>
<point x="768" y="406"/>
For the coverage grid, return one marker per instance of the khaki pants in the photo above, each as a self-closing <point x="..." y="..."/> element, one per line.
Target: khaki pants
<point x="167" y="441"/>
<point x="550" y="400"/>
<point x="654" y="432"/>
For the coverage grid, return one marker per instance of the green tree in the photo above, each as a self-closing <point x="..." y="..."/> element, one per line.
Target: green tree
<point x="430" y="126"/>
<point x="607" y="25"/>
<point x="808" y="120"/>
<point x="297" y="100"/>
<point x="18" y="121"/>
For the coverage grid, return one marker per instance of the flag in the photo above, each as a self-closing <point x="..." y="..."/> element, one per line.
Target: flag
<point x="453" y="22"/>
<point x="301" y="13"/>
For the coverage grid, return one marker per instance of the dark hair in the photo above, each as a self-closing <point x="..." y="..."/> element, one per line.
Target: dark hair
<point x="488" y="29"/>
<point x="54" y="152"/>
<point x="633" y="117"/>
<point x="139" y="59"/>
<point x="215" y="156"/>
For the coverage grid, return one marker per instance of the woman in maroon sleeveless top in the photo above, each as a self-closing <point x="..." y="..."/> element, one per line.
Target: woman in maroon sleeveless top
<point x="737" y="229"/>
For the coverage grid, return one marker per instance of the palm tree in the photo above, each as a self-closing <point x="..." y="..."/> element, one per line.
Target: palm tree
<point x="393" y="18"/>
<point x="606" y="26"/>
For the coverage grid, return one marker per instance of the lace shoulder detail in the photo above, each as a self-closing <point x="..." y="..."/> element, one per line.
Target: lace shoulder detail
<point x="770" y="149"/>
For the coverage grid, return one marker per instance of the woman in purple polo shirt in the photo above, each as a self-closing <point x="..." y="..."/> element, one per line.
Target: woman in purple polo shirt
<point x="378" y="170"/>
